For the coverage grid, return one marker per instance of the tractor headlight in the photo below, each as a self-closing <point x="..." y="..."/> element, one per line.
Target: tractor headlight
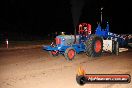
<point x="59" y="47"/>
<point x="63" y="39"/>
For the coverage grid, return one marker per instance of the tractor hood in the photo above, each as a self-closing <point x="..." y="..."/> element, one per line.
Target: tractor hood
<point x="67" y="39"/>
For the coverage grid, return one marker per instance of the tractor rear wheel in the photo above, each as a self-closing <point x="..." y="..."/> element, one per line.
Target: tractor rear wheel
<point x="70" y="53"/>
<point x="53" y="53"/>
<point x="94" y="46"/>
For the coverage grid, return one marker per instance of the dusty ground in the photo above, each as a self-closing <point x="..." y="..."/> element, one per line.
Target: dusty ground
<point x="34" y="68"/>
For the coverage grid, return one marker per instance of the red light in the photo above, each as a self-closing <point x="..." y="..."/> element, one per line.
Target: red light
<point x="58" y="41"/>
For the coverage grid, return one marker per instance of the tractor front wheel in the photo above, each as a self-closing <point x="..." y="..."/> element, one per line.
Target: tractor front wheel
<point x="70" y="53"/>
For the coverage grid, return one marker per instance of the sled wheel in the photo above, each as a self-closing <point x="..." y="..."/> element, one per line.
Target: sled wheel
<point x="115" y="48"/>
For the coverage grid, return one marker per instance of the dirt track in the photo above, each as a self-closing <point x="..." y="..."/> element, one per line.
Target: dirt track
<point x="34" y="68"/>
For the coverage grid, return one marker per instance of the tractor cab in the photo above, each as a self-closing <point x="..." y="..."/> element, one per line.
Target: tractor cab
<point x="84" y="31"/>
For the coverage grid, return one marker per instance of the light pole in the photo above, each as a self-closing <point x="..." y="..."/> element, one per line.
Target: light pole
<point x="101" y="13"/>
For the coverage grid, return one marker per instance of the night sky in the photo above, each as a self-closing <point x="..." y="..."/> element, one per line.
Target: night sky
<point x="33" y="18"/>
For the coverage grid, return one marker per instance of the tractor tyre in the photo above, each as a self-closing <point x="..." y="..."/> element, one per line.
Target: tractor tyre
<point x="70" y="54"/>
<point x="81" y="80"/>
<point x="115" y="48"/>
<point x="53" y="53"/>
<point x="94" y="46"/>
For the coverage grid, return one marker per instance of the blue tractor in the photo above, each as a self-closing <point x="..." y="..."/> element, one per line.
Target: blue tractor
<point x="84" y="41"/>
